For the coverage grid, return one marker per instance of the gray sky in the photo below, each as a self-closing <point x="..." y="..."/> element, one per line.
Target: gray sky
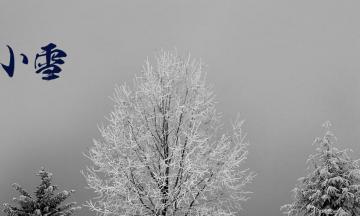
<point x="285" y="66"/>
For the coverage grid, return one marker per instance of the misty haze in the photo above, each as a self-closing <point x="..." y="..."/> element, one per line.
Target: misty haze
<point x="284" y="67"/>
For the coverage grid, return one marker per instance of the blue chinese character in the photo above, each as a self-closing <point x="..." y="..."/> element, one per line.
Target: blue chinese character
<point x="9" y="69"/>
<point x="53" y="58"/>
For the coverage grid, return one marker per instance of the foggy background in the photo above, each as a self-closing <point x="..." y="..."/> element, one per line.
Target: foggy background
<point x="285" y="66"/>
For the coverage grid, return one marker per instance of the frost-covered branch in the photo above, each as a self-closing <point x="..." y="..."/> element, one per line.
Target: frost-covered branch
<point x="332" y="188"/>
<point x="162" y="152"/>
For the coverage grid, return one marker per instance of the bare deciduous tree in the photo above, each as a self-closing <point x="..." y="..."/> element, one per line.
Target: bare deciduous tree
<point x="162" y="151"/>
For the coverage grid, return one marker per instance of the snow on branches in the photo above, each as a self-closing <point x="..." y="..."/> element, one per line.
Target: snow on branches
<point x="332" y="188"/>
<point x="161" y="152"/>
<point x="45" y="202"/>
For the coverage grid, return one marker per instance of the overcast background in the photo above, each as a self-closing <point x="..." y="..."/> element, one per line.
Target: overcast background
<point x="285" y="66"/>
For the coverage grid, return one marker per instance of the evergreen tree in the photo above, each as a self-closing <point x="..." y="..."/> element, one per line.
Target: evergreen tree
<point x="163" y="153"/>
<point x="45" y="202"/>
<point x="332" y="187"/>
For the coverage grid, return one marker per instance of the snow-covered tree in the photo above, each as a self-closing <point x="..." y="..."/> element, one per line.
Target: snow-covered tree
<point x="332" y="187"/>
<point x="44" y="203"/>
<point x="161" y="151"/>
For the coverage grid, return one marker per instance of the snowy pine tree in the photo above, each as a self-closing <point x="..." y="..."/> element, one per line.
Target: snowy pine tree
<point x="45" y="202"/>
<point x="162" y="152"/>
<point x="332" y="188"/>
